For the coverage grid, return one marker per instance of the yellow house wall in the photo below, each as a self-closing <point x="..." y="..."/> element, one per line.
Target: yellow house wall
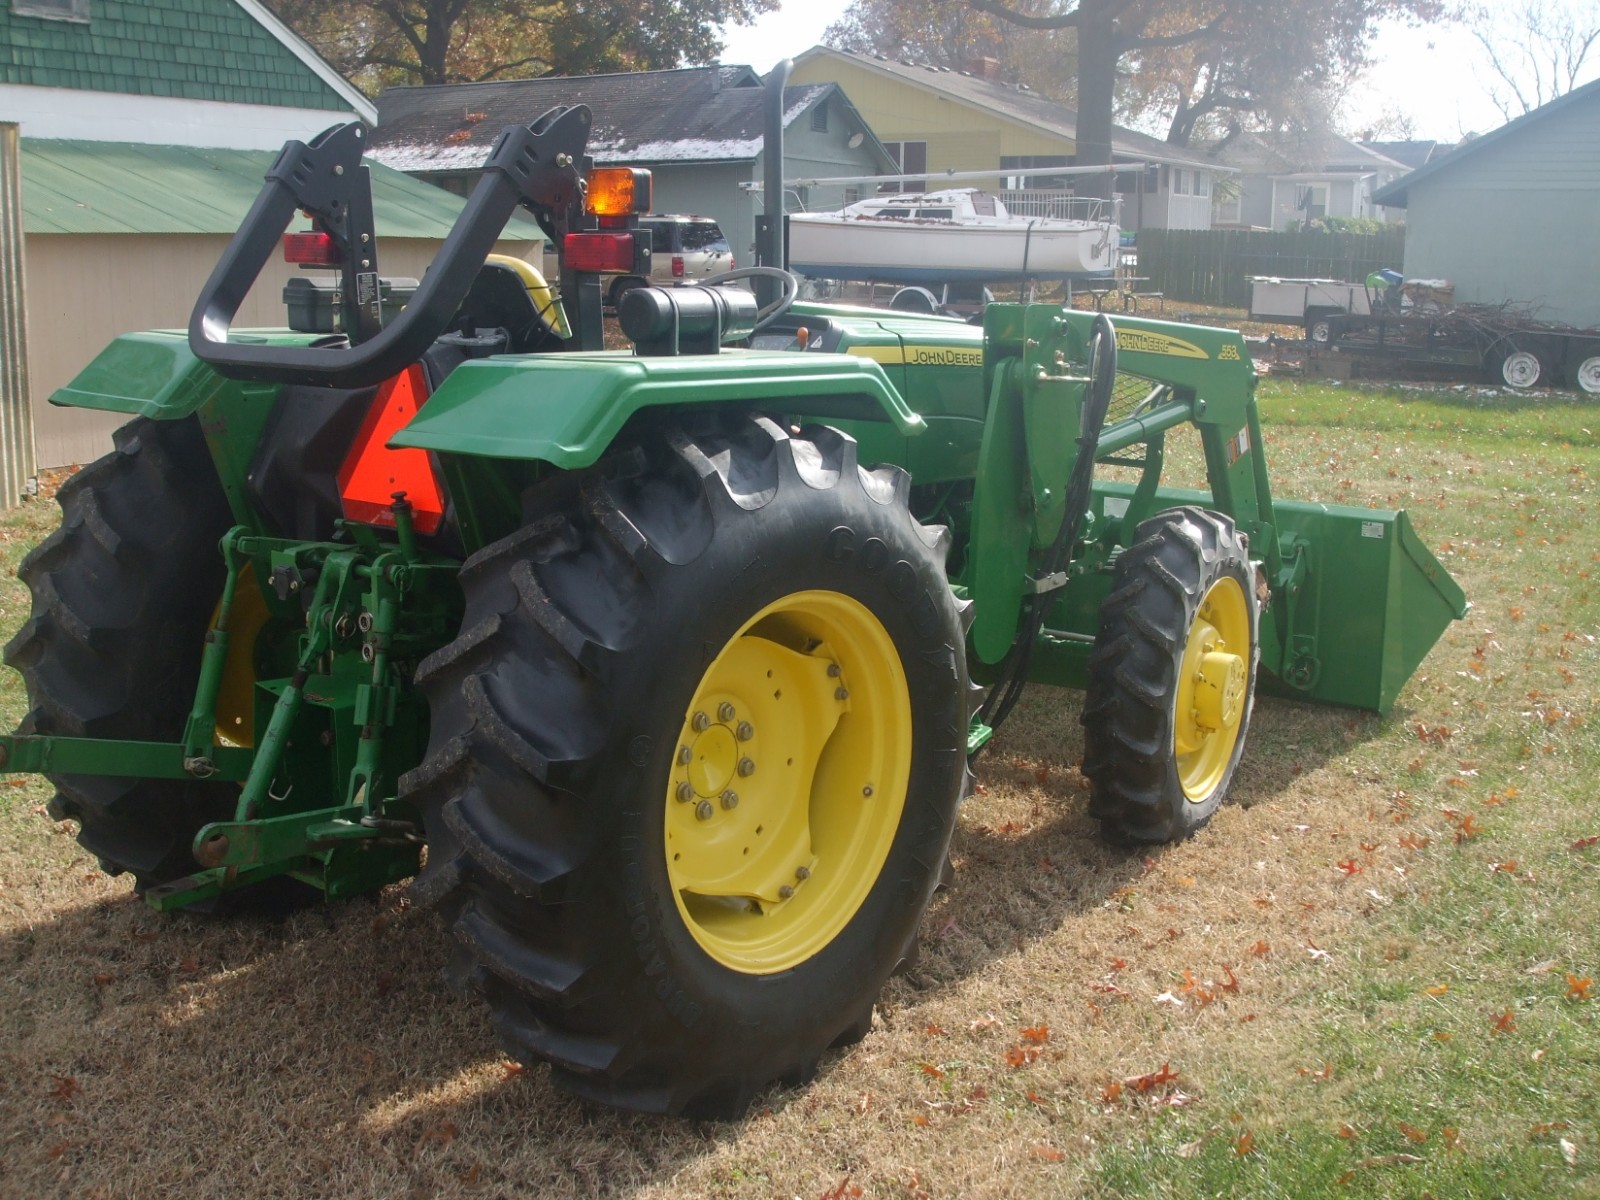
<point x="960" y="137"/>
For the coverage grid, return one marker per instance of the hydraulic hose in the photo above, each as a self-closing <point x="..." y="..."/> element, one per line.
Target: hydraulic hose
<point x="1013" y="679"/>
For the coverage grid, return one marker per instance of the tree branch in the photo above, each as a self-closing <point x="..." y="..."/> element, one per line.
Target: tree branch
<point x="995" y="9"/>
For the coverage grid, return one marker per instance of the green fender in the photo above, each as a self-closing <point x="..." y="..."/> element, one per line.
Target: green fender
<point x="565" y="409"/>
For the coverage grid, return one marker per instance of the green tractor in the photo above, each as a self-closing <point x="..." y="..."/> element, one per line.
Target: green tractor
<point x="660" y="691"/>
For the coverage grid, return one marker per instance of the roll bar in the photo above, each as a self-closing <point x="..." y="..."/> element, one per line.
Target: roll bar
<point x="538" y="165"/>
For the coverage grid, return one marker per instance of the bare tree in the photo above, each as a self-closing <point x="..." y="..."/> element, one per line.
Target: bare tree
<point x="1537" y="50"/>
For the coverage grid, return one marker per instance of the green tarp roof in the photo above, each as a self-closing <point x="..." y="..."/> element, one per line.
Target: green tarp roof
<point x="127" y="187"/>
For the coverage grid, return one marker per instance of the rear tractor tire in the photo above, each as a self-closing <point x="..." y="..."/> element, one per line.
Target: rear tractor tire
<point x="123" y="594"/>
<point x="694" y="762"/>
<point x="1171" y="678"/>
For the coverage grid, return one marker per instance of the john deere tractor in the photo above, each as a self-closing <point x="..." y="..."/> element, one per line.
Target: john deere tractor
<point x="654" y="666"/>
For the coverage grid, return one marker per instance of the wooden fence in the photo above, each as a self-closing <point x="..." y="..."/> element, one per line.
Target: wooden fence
<point x="1213" y="266"/>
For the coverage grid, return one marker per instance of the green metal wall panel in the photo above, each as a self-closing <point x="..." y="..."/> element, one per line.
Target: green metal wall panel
<point x="188" y="49"/>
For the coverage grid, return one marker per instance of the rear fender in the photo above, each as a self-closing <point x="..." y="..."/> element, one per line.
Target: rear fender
<point x="566" y="409"/>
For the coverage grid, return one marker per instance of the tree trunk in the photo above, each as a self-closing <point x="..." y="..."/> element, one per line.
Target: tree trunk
<point x="1097" y="82"/>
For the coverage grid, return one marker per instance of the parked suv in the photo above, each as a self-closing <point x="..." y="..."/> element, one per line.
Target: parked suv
<point x="683" y="250"/>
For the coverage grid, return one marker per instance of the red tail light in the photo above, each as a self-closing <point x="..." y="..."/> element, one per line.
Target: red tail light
<point x="372" y="473"/>
<point x="313" y="246"/>
<point x="604" y="253"/>
<point x="677" y="266"/>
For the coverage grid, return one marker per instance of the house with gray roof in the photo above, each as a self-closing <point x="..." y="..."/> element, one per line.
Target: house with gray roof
<point x="935" y="119"/>
<point x="1510" y="216"/>
<point x="698" y="130"/>
<point x="1285" y="180"/>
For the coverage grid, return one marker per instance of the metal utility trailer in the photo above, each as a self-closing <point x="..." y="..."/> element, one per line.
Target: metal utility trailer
<point x="1515" y="351"/>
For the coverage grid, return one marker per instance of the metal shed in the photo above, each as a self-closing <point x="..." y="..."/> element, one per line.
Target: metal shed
<point x="1510" y="216"/>
<point x="121" y="236"/>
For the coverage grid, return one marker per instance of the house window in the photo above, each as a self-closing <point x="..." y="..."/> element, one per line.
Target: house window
<point x="52" y="10"/>
<point x="1202" y="184"/>
<point x="912" y="159"/>
<point x="819" y="118"/>
<point x="1017" y="162"/>
<point x="1311" y="201"/>
<point x="1228" y="210"/>
<point x="1180" y="181"/>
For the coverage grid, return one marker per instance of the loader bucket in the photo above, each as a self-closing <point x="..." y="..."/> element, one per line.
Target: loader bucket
<point x="1369" y="606"/>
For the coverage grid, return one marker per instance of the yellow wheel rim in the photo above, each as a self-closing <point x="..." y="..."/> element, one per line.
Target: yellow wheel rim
<point x="1213" y="687"/>
<point x="788" y="782"/>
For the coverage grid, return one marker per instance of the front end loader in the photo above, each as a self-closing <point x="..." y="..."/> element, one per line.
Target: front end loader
<point x="655" y="668"/>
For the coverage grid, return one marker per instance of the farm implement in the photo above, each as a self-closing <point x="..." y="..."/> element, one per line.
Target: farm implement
<point x="660" y="691"/>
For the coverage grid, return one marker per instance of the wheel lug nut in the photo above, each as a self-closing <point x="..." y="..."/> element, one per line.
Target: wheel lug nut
<point x="802" y="873"/>
<point x="747" y="768"/>
<point x="685" y="756"/>
<point x="730" y="800"/>
<point x="700" y="722"/>
<point x="704" y="810"/>
<point x="725" y="712"/>
<point x="841" y="694"/>
<point x="745" y="732"/>
<point x="785" y="891"/>
<point x="833" y="670"/>
<point x="685" y="792"/>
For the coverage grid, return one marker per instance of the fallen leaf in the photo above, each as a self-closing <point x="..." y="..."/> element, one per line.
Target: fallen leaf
<point x="841" y="1191"/>
<point x="1437" y="989"/>
<point x="932" y="1071"/>
<point x="513" y="1068"/>
<point x="1351" y="867"/>
<point x="1244" y="1143"/>
<point x="66" y="1087"/>
<point x="1578" y="989"/>
<point x="1111" y="1093"/>
<point x="1038" y="1034"/>
<point x="1348" y="1132"/>
<point x="1154" y="1079"/>
<point x="104" y="979"/>
<point x="1261" y="949"/>
<point x="1021" y="1056"/>
<point x="1048" y="1154"/>
<point x="919" y="1119"/>
<point x="1413" y="1134"/>
<point x="1504" y="1023"/>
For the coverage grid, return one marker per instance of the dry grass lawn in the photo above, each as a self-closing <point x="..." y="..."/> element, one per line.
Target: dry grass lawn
<point x="1080" y="1014"/>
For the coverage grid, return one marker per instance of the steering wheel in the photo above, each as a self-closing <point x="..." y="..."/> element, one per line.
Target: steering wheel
<point x="771" y="312"/>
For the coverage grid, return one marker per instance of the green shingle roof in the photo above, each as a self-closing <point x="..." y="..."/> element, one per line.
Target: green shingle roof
<point x="190" y="49"/>
<point x="123" y="187"/>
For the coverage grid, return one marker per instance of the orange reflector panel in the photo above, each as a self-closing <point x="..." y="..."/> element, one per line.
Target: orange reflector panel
<point x="617" y="191"/>
<point x="313" y="246"/>
<point x="372" y="472"/>
<point x="606" y="253"/>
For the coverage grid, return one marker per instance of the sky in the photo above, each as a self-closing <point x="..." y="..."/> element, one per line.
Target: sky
<point x="1426" y="73"/>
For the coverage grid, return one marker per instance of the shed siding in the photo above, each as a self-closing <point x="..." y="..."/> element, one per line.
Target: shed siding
<point x="1515" y="221"/>
<point x="84" y="290"/>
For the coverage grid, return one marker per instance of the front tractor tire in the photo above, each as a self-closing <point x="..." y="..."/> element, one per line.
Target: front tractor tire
<point x="123" y="593"/>
<point x="1171" y="678"/>
<point x="694" y="762"/>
